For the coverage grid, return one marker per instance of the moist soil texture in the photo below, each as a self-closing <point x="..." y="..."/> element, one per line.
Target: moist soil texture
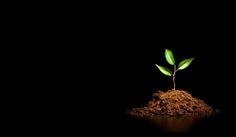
<point x="173" y="103"/>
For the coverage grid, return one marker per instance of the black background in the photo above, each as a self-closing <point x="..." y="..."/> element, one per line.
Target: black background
<point x="103" y="63"/>
<point x="85" y="67"/>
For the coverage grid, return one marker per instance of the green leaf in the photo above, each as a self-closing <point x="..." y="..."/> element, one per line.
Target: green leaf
<point x="164" y="70"/>
<point x="185" y="63"/>
<point x="169" y="57"/>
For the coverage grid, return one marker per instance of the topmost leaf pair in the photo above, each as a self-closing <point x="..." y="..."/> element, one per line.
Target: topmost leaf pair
<point x="171" y="60"/>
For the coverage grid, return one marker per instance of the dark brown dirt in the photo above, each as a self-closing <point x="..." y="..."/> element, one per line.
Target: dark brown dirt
<point x="173" y="103"/>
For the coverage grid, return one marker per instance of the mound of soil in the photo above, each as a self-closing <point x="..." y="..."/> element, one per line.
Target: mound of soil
<point x="173" y="103"/>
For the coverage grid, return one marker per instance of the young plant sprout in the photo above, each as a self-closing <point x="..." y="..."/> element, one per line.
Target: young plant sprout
<point x="171" y="60"/>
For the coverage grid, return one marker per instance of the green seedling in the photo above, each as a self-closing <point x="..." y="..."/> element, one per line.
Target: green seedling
<point x="171" y="60"/>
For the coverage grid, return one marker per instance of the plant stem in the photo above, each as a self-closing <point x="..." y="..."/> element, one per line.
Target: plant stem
<point x="174" y="76"/>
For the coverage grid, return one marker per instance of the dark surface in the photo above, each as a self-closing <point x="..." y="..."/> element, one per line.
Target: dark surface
<point x="173" y="124"/>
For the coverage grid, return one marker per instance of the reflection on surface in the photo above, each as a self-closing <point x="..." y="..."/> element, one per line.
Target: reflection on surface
<point x="175" y="124"/>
